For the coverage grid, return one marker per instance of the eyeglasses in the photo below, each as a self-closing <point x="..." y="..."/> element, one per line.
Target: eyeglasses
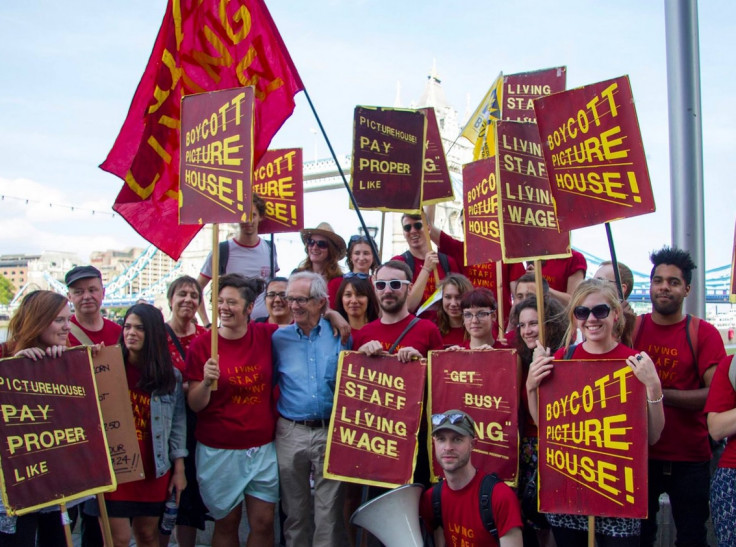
<point x="301" y="300"/>
<point x="273" y="294"/>
<point x="454" y="419"/>
<point x="469" y="316"/>
<point x="416" y="226"/>
<point x="359" y="275"/>
<point x="394" y="284"/>
<point x="319" y="243"/>
<point x="600" y="311"/>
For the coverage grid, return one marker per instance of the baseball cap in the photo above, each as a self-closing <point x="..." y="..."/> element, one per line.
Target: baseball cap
<point x="81" y="272"/>
<point x="454" y="420"/>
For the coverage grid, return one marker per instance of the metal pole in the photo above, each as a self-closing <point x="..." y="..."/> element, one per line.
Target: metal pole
<point x="686" y="140"/>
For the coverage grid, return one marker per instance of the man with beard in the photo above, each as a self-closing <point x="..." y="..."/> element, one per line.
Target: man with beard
<point x="453" y="437"/>
<point x="685" y="350"/>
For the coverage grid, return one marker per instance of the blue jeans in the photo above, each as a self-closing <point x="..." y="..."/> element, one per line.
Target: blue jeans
<point x="688" y="486"/>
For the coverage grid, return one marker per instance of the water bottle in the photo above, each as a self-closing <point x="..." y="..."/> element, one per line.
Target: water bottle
<point x="168" y="519"/>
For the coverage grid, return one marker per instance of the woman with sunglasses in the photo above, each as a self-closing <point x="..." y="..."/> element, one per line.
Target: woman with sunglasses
<point x="356" y="300"/>
<point x="595" y="310"/>
<point x="324" y="250"/>
<point x="279" y="312"/>
<point x="450" y="313"/>
<point x="360" y="256"/>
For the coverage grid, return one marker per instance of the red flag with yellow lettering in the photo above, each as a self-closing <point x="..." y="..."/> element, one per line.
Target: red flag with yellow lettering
<point x="203" y="45"/>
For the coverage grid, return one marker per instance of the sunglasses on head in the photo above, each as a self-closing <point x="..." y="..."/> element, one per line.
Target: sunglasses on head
<point x="395" y="284"/>
<point x="454" y="419"/>
<point x="416" y="226"/>
<point x="600" y="311"/>
<point x="359" y="275"/>
<point x="358" y="239"/>
<point x="319" y="243"/>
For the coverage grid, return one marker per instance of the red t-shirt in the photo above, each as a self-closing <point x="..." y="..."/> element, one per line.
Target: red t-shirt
<point x="109" y="334"/>
<point x="461" y="520"/>
<point x="240" y="412"/>
<point x="721" y="398"/>
<point x="456" y="337"/>
<point x="424" y="336"/>
<point x="332" y="286"/>
<point x="496" y="345"/>
<point x="667" y="346"/>
<point x="185" y="342"/>
<point x="618" y="352"/>
<point x="149" y="489"/>
<point x="430" y="287"/>
<point x="557" y="270"/>
<point x="483" y="275"/>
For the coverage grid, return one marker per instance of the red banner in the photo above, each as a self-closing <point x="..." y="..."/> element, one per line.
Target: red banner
<point x="529" y="227"/>
<point x="437" y="185"/>
<point x="594" y="154"/>
<point x="202" y="45"/>
<point x="53" y="447"/>
<point x="375" y="420"/>
<point x="279" y="180"/>
<point x="519" y="90"/>
<point x="388" y="158"/>
<point x="593" y="440"/>
<point x="217" y="156"/>
<point x="480" y="207"/>
<point x="485" y="385"/>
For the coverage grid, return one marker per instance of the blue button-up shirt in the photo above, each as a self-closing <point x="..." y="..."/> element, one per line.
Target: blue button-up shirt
<point x="306" y="368"/>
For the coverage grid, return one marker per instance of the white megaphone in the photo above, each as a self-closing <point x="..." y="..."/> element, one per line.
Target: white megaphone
<point x="393" y="517"/>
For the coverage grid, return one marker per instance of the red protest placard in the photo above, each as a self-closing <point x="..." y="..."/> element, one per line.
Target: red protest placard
<point x="483" y="383"/>
<point x="54" y="449"/>
<point x="216" y="160"/>
<point x="279" y="180"/>
<point x="375" y="420"/>
<point x="594" y="154"/>
<point x="437" y="185"/>
<point x="529" y="227"/>
<point x="519" y="90"/>
<point x="480" y="207"/>
<point x="593" y="440"/>
<point x="388" y="158"/>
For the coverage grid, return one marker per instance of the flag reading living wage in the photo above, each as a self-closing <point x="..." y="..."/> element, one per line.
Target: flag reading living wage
<point x="202" y="45"/>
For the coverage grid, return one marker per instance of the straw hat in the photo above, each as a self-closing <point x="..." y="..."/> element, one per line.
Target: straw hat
<point x="325" y="230"/>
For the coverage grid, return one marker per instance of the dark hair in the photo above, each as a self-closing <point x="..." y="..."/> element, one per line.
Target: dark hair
<point x="275" y="280"/>
<point x="354" y="240"/>
<point x="37" y="310"/>
<point x="248" y="287"/>
<point x="397" y="265"/>
<point x="674" y="257"/>
<point x="260" y="205"/>
<point x="157" y="370"/>
<point x="463" y="285"/>
<point x="479" y="297"/>
<point x="627" y="276"/>
<point x="412" y="216"/>
<point x="555" y="325"/>
<point x="364" y="288"/>
<point x="184" y="280"/>
<point x="529" y="277"/>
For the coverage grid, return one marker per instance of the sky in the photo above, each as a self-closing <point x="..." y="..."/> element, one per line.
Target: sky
<point x="69" y="71"/>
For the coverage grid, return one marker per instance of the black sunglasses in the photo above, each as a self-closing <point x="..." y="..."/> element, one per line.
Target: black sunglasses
<point x="321" y="244"/>
<point x="359" y="239"/>
<point x="416" y="226"/>
<point x="359" y="275"/>
<point x="600" y="311"/>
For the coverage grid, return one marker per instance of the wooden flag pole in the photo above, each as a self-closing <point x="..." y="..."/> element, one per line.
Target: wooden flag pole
<point x="540" y="298"/>
<point x="499" y="302"/>
<point x="591" y="531"/>
<point x="104" y="519"/>
<point x="429" y="246"/>
<point x="65" y="523"/>
<point x="215" y="290"/>
<point x="383" y="225"/>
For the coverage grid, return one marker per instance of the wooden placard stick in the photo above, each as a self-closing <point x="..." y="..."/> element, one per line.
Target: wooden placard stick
<point x="215" y="290"/>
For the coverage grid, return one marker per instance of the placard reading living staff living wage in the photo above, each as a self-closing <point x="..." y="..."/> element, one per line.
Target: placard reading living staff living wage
<point x="480" y="207"/>
<point x="594" y="154"/>
<point x="519" y="90"/>
<point x="375" y="420"/>
<point x="388" y="158"/>
<point x="529" y="227"/>
<point x="279" y="180"/>
<point x="216" y="159"/>
<point x="593" y="440"/>
<point x="483" y="383"/>
<point x="53" y="447"/>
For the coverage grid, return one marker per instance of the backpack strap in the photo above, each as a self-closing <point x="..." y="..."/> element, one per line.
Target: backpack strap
<point x="444" y="262"/>
<point x="409" y="259"/>
<point x="485" y="498"/>
<point x="175" y="339"/>
<point x="80" y="335"/>
<point x="224" y="255"/>
<point x="692" y="324"/>
<point x="636" y="332"/>
<point x="569" y="351"/>
<point x="408" y="327"/>
<point x="437" y="504"/>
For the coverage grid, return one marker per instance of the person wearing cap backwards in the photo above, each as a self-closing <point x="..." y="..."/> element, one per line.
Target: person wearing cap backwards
<point x="324" y="249"/>
<point x="453" y="435"/>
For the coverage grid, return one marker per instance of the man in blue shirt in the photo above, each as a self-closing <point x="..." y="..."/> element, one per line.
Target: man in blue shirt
<point x="305" y="358"/>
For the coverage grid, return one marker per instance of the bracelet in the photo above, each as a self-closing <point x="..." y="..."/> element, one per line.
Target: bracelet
<point x="655" y="401"/>
<point x="208" y="325"/>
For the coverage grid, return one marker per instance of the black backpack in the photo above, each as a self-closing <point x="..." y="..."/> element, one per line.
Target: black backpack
<point x="484" y="501"/>
<point x="225" y="254"/>
<point x="409" y="259"/>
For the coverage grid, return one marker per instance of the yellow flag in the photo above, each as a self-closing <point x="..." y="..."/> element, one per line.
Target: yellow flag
<point x="477" y="130"/>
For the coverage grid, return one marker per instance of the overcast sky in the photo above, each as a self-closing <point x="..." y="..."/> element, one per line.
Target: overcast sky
<point x="70" y="70"/>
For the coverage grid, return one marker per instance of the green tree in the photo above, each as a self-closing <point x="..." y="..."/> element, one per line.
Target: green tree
<point x="7" y="291"/>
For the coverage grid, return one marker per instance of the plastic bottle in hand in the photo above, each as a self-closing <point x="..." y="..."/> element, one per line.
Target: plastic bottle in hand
<point x="168" y="519"/>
